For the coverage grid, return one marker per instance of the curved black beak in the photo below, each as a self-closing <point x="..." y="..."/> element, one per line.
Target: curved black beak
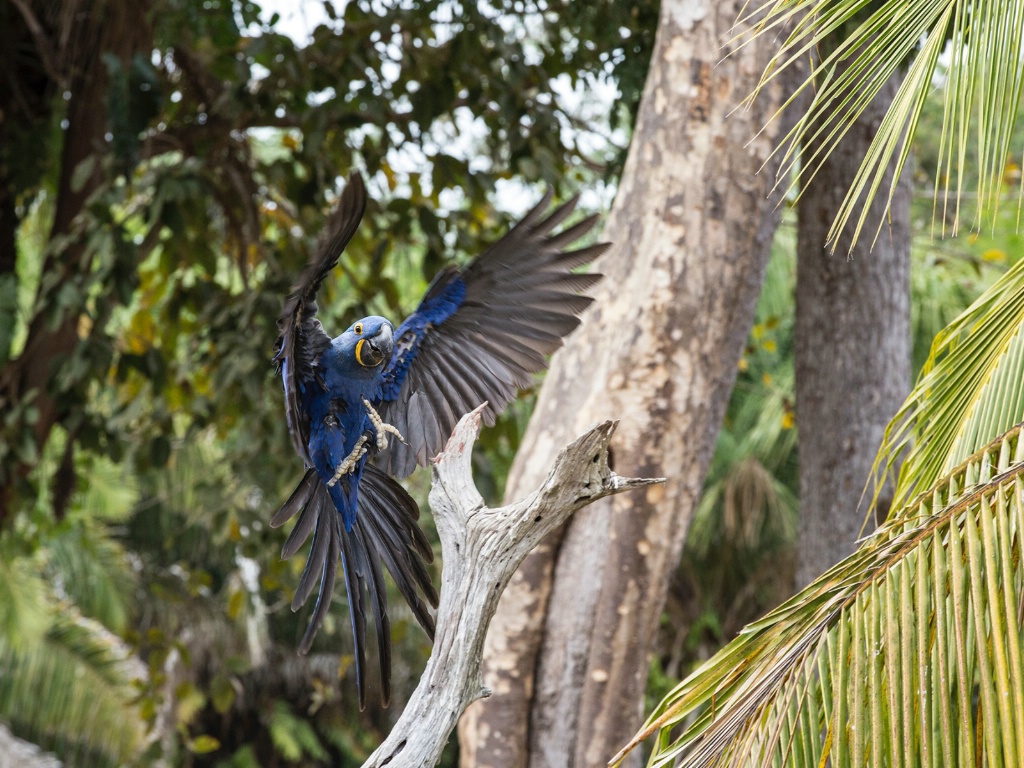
<point x="378" y="348"/>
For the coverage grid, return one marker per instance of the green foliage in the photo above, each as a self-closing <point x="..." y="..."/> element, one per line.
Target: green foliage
<point x="293" y="737"/>
<point x="67" y="681"/>
<point x="725" y="563"/>
<point x="969" y="389"/>
<point x="24" y="601"/>
<point x="71" y="692"/>
<point x="983" y="80"/>
<point x="901" y="653"/>
<point x="741" y="547"/>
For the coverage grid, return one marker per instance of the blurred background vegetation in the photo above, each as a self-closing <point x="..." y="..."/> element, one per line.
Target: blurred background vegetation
<point x="165" y="170"/>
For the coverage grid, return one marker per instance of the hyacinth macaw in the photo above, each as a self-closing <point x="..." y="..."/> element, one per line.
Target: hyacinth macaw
<point x="369" y="405"/>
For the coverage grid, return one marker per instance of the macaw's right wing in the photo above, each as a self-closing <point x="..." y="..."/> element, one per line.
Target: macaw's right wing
<point x="302" y="338"/>
<point x="480" y="334"/>
<point x="385" y="533"/>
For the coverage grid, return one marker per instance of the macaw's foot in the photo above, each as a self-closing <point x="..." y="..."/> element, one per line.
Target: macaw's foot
<point x="381" y="428"/>
<point x="349" y="462"/>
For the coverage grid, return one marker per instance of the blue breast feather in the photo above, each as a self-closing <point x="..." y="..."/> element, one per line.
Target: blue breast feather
<point x="335" y="426"/>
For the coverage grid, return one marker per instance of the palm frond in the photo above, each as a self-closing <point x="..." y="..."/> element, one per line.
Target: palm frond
<point x="65" y="679"/>
<point x="909" y="652"/>
<point x="969" y="391"/>
<point x="24" y="599"/>
<point x="92" y="570"/>
<point x="72" y="692"/>
<point x="862" y="43"/>
<point x="109" y="493"/>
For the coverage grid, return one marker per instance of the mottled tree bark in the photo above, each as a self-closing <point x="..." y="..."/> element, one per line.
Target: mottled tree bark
<point x="568" y="652"/>
<point x="852" y="346"/>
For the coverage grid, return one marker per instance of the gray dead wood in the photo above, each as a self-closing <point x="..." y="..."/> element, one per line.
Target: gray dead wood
<point x="481" y="549"/>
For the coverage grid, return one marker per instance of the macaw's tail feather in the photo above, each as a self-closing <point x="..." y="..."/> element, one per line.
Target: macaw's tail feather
<point x="386" y="534"/>
<point x="364" y="578"/>
<point x="388" y="516"/>
<point x="298" y="500"/>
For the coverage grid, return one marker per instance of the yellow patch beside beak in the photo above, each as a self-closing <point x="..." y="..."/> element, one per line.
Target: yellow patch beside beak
<point x="359" y="352"/>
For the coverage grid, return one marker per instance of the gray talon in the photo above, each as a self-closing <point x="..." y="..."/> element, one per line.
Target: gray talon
<point x="349" y="462"/>
<point x="382" y="429"/>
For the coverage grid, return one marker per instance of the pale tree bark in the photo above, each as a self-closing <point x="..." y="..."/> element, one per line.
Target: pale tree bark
<point x="852" y="346"/>
<point x="568" y="652"/>
<point x="16" y="753"/>
<point x="482" y="548"/>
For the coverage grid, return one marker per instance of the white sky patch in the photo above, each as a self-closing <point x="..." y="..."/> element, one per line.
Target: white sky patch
<point x="298" y="18"/>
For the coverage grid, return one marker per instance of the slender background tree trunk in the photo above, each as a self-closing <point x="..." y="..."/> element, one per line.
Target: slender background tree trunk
<point x="852" y="347"/>
<point x="568" y="653"/>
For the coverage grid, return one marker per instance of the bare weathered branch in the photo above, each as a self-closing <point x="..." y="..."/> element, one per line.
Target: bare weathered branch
<point x="481" y="549"/>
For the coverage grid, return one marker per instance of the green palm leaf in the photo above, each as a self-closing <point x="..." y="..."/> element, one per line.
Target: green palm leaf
<point x="982" y="84"/>
<point x="908" y="652"/>
<point x="969" y="391"/>
<point x="72" y="692"/>
<point x="93" y="571"/>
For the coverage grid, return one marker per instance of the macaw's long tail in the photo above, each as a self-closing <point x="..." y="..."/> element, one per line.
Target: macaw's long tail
<point x="385" y="531"/>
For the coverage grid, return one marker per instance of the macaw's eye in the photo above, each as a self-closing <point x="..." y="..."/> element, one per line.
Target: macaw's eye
<point x="358" y="329"/>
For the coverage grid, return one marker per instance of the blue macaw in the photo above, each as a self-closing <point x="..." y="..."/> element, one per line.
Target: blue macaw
<point x="478" y="335"/>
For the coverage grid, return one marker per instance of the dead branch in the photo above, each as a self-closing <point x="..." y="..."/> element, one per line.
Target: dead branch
<point x="481" y="549"/>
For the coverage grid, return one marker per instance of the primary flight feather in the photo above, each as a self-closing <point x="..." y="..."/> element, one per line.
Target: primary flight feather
<point x="373" y="403"/>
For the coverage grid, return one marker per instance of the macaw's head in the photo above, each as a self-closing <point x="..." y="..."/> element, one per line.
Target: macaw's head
<point x="363" y="350"/>
<point x="358" y="354"/>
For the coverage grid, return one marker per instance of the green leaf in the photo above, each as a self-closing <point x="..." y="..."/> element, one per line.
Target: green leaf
<point x="863" y="43"/>
<point x="8" y="314"/>
<point x="294" y="737"/>
<point x="83" y="172"/>
<point x="24" y="601"/>
<point x="222" y="694"/>
<point x="968" y="393"/>
<point x="202" y="745"/>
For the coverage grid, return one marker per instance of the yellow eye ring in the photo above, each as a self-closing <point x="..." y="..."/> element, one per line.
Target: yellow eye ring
<point x="358" y="329"/>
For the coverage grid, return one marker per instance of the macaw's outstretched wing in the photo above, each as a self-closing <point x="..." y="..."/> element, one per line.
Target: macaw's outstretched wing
<point x="302" y="337"/>
<point x="479" y="335"/>
<point x="385" y="532"/>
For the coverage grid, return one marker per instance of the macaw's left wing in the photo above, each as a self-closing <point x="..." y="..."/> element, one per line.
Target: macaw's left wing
<point x="479" y="335"/>
<point x="384" y="533"/>
<point x="302" y="336"/>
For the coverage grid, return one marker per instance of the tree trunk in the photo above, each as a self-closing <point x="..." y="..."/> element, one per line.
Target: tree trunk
<point x="852" y="346"/>
<point x="568" y="652"/>
<point x="23" y="754"/>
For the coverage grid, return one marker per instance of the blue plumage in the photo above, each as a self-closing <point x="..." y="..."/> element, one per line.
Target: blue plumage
<point x="353" y="366"/>
<point x="433" y="311"/>
<point x="372" y="403"/>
